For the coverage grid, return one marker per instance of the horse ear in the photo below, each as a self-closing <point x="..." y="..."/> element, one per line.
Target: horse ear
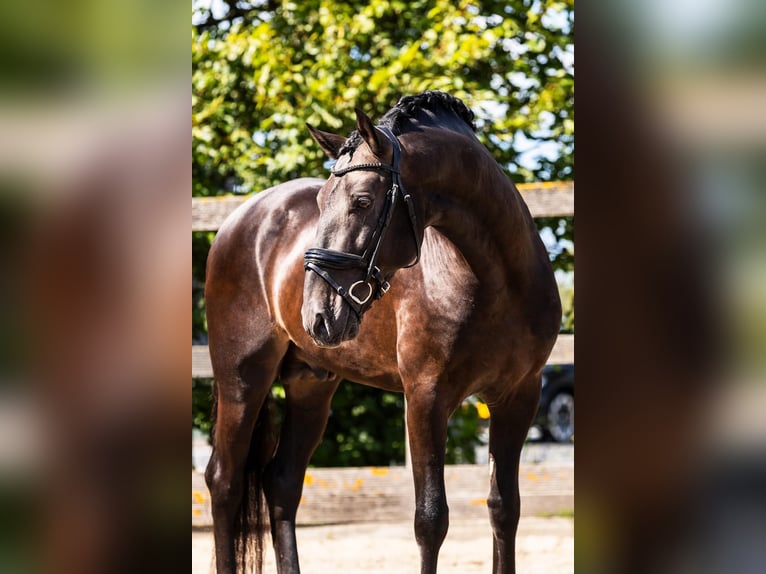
<point x="368" y="132"/>
<point x="330" y="143"/>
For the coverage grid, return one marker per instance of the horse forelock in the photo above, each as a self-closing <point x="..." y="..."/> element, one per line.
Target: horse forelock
<point x="411" y="107"/>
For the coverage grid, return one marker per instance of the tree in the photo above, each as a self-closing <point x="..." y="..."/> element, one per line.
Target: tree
<point x="256" y="82"/>
<point x="262" y="69"/>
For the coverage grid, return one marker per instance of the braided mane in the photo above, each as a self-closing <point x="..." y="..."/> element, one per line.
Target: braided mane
<point x="408" y="107"/>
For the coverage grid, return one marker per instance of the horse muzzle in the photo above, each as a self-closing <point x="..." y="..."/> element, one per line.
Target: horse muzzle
<point x="330" y="325"/>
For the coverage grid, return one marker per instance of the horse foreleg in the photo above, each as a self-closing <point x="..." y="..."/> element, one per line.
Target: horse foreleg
<point x="427" y="429"/>
<point x="307" y="408"/>
<point x="241" y="392"/>
<point x="508" y="427"/>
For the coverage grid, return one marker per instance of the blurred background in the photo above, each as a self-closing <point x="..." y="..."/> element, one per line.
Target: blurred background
<point x="671" y="293"/>
<point x="94" y="359"/>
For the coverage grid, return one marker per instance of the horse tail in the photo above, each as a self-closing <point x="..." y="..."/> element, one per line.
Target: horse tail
<point x="251" y="522"/>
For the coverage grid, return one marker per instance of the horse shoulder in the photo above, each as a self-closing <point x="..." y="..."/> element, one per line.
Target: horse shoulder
<point x="254" y="245"/>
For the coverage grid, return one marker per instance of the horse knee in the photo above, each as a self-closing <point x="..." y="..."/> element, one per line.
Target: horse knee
<point x="225" y="491"/>
<point x="431" y="522"/>
<point x="211" y="471"/>
<point x="504" y="513"/>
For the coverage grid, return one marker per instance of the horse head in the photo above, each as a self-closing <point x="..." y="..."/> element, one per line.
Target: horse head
<point x="367" y="230"/>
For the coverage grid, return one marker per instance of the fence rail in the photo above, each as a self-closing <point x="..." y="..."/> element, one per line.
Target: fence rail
<point x="374" y="494"/>
<point x="563" y="352"/>
<point x="544" y="200"/>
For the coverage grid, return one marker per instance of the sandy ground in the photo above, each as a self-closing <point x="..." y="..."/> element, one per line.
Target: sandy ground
<point x="544" y="546"/>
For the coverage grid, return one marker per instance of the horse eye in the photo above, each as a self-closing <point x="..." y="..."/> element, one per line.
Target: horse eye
<point x="363" y="202"/>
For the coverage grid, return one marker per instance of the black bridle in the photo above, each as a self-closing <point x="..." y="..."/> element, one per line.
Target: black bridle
<point x="319" y="260"/>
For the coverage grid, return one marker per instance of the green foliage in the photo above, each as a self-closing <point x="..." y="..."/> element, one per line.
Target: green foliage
<point x="567" y="304"/>
<point x="562" y="259"/>
<point x="255" y="85"/>
<point x="202" y="404"/>
<point x="201" y="242"/>
<point x="366" y="427"/>
<point x="262" y="69"/>
<point x="561" y="255"/>
<point x="463" y="434"/>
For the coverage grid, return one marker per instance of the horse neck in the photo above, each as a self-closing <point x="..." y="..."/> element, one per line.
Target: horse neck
<point x="473" y="203"/>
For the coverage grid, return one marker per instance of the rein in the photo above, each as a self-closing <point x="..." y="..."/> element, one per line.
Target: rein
<point x="374" y="285"/>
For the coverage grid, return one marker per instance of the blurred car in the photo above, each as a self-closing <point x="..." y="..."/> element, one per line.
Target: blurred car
<point x="555" y="415"/>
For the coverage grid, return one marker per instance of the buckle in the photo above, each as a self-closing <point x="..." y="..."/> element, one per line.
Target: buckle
<point x="357" y="300"/>
<point x="383" y="285"/>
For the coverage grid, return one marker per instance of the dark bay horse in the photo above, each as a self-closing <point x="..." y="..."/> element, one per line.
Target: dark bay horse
<point x="415" y="268"/>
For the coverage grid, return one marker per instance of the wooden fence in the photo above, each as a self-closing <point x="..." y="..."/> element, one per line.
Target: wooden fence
<point x="552" y="199"/>
<point x="563" y="352"/>
<point x="387" y="494"/>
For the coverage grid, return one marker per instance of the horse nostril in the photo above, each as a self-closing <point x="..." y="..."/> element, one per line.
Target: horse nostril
<point x="320" y="326"/>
